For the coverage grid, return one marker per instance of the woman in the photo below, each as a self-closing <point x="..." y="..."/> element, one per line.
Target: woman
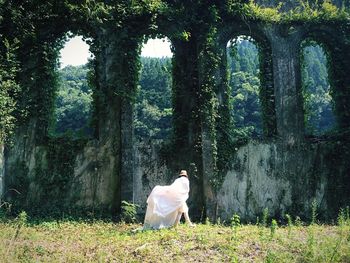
<point x="166" y="204"/>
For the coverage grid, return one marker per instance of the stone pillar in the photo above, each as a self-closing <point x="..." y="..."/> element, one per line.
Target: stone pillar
<point x="126" y="92"/>
<point x="128" y="85"/>
<point x="116" y="120"/>
<point x="209" y="170"/>
<point x="287" y="82"/>
<point x="186" y="93"/>
<point x="186" y="120"/>
<point x="267" y="92"/>
<point x="108" y="191"/>
<point x="216" y="121"/>
<point x="127" y="152"/>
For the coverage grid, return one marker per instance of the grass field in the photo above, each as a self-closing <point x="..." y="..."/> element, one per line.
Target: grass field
<point x="77" y="241"/>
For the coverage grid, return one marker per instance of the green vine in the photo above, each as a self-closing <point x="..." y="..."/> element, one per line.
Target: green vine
<point x="9" y="89"/>
<point x="56" y="177"/>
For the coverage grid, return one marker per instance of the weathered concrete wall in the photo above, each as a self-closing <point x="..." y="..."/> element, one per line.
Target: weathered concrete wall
<point x="251" y="185"/>
<point x="150" y="170"/>
<point x="272" y="174"/>
<point x="93" y="183"/>
<point x="269" y="174"/>
<point x="21" y="159"/>
<point x="285" y="47"/>
<point x="284" y="180"/>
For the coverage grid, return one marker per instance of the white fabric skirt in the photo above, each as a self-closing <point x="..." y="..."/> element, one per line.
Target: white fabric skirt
<point x="165" y="203"/>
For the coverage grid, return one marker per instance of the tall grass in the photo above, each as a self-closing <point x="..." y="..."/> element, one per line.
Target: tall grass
<point x="99" y="241"/>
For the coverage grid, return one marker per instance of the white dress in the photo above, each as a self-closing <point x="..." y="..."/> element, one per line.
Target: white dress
<point x="165" y="202"/>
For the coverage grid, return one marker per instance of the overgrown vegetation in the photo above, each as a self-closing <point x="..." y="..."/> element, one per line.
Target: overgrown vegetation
<point x="304" y="10"/>
<point x="243" y="66"/>
<point x="9" y="88"/>
<point x="153" y="107"/>
<point x="319" y="106"/>
<point x="73" y="107"/>
<point x="86" y="241"/>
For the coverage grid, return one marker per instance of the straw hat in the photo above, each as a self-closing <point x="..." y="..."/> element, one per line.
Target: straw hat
<point x="183" y="173"/>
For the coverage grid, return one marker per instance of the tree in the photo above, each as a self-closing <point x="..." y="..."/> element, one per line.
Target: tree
<point x="73" y="101"/>
<point x="153" y="108"/>
<point x="245" y="85"/>
<point x="318" y="102"/>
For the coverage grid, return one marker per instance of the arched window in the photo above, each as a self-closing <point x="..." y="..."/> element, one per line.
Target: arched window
<point x="73" y="105"/>
<point x="318" y="103"/>
<point x="243" y="68"/>
<point x="153" y="108"/>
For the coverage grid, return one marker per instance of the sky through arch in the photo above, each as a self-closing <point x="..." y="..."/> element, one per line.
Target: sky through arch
<point x="76" y="52"/>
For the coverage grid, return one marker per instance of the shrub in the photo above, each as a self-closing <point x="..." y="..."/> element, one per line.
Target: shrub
<point x="129" y="211"/>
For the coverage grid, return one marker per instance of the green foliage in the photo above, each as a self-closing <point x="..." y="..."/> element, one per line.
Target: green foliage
<point x="264" y="13"/>
<point x="289" y="224"/>
<point x="73" y="101"/>
<point x="9" y="87"/>
<point x="129" y="212"/>
<point x="121" y="25"/>
<point x="313" y="211"/>
<point x="235" y="224"/>
<point x="22" y="218"/>
<point x="211" y="114"/>
<point x="55" y="178"/>
<point x="298" y="221"/>
<point x="310" y="252"/>
<point x="246" y="106"/>
<point x="245" y="86"/>
<point x="265" y="217"/>
<point x="344" y="216"/>
<point x="318" y="103"/>
<point x="273" y="228"/>
<point x="304" y="10"/>
<point x="235" y="221"/>
<point x="252" y="109"/>
<point x="153" y="109"/>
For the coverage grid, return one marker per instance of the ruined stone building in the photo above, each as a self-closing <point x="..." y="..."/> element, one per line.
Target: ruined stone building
<point x="284" y="171"/>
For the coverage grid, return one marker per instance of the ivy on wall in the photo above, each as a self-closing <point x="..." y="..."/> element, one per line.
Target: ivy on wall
<point x="9" y="89"/>
<point x="56" y="177"/>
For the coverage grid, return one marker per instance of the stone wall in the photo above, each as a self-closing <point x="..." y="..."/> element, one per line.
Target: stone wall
<point x="258" y="179"/>
<point x="150" y="170"/>
<point x="92" y="185"/>
<point x="285" y="180"/>
<point x="270" y="174"/>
